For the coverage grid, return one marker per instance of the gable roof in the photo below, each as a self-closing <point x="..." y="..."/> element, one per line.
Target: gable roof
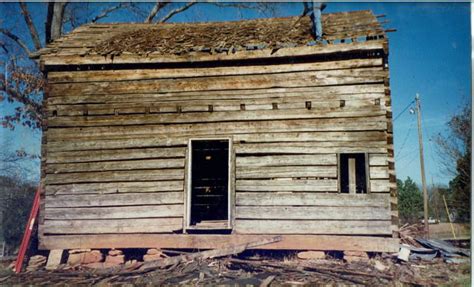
<point x="109" y="41"/>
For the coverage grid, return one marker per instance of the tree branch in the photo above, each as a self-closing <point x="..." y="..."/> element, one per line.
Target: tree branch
<point x="106" y="12"/>
<point x="176" y="11"/>
<point x="16" y="39"/>
<point x="158" y="6"/>
<point x="31" y="25"/>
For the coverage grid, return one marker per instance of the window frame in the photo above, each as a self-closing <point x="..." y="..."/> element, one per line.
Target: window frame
<point x="367" y="171"/>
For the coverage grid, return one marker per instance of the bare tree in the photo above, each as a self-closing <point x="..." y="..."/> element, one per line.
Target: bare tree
<point x="23" y="83"/>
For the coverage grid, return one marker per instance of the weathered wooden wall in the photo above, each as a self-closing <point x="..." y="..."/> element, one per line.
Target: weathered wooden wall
<point x="116" y="146"/>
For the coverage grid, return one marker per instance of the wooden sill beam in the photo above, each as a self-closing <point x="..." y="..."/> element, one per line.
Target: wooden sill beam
<point x="212" y="241"/>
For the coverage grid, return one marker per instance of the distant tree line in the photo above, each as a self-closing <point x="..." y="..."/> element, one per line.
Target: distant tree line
<point x="454" y="149"/>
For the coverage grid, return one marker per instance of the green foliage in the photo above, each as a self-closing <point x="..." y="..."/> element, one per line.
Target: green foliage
<point x="455" y="148"/>
<point x="410" y="201"/>
<point x="16" y="199"/>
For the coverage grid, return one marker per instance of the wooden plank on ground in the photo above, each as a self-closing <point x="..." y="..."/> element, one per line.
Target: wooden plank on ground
<point x="213" y="241"/>
<point x="136" y="225"/>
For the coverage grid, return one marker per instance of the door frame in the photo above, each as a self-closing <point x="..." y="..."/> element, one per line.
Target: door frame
<point x="188" y="182"/>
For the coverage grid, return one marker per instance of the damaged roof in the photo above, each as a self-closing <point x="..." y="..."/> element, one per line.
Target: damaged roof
<point x="112" y="40"/>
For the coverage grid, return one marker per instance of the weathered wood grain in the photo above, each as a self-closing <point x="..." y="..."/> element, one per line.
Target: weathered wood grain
<point x="215" y="241"/>
<point x="198" y="129"/>
<point x="378" y="159"/>
<point x="379" y="172"/>
<point x="170" y="141"/>
<point x="136" y="225"/>
<point x="236" y="82"/>
<point x="381" y="185"/>
<point x="115" y="165"/>
<point x="115" y="154"/>
<point x="311" y="199"/>
<point x="121" y="212"/>
<point x="111" y="176"/>
<point x="286" y="160"/>
<point x="239" y="55"/>
<point x="121" y="199"/>
<point x="115" y="187"/>
<point x="312" y="213"/>
<point x="347" y="227"/>
<point x="347" y="92"/>
<point x="322" y="185"/>
<point x="114" y="75"/>
<point x="285" y="172"/>
<point x="199" y="117"/>
<point x="329" y="147"/>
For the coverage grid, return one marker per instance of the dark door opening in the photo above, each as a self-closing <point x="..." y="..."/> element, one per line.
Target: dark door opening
<point x="209" y="184"/>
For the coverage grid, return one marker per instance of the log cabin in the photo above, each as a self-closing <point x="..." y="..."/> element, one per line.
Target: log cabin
<point x="200" y="135"/>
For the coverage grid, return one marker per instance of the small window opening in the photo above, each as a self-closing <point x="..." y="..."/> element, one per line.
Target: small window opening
<point x="55" y="113"/>
<point x="209" y="184"/>
<point x="353" y="173"/>
<point x="308" y="105"/>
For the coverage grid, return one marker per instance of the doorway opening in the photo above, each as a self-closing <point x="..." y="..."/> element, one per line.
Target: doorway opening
<point x="353" y="173"/>
<point x="208" y="197"/>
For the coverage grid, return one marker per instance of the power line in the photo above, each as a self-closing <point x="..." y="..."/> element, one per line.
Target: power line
<point x="405" y="140"/>
<point x="404" y="110"/>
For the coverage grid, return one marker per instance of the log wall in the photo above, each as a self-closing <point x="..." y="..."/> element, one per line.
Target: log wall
<point x="116" y="142"/>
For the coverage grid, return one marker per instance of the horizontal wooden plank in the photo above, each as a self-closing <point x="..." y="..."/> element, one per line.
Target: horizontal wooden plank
<point x="200" y="117"/>
<point x="378" y="172"/>
<point x="324" y="185"/>
<point x="115" y="154"/>
<point x="216" y="241"/>
<point x="327" y="93"/>
<point x="348" y="227"/>
<point x="115" y="187"/>
<point x="293" y="79"/>
<point x="381" y="185"/>
<point x="122" y="212"/>
<point x="111" y="176"/>
<point x="115" y="165"/>
<point x="143" y="74"/>
<point x="121" y="199"/>
<point x="312" y="213"/>
<point x="286" y="160"/>
<point x="286" y="172"/>
<point x="312" y="147"/>
<point x="200" y="129"/>
<point x="378" y="159"/>
<point x="170" y="141"/>
<point x="311" y="199"/>
<point x="136" y="225"/>
<point x="218" y="105"/>
<point x="239" y="55"/>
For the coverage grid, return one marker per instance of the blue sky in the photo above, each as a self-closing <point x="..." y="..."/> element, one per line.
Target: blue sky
<point x="429" y="55"/>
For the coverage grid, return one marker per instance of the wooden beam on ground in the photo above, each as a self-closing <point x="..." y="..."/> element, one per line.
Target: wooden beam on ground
<point x="215" y="241"/>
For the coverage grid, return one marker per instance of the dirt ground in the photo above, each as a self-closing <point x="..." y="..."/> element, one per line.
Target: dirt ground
<point x="256" y="269"/>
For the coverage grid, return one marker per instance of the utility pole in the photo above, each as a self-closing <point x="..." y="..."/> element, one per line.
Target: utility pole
<point x="422" y="165"/>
